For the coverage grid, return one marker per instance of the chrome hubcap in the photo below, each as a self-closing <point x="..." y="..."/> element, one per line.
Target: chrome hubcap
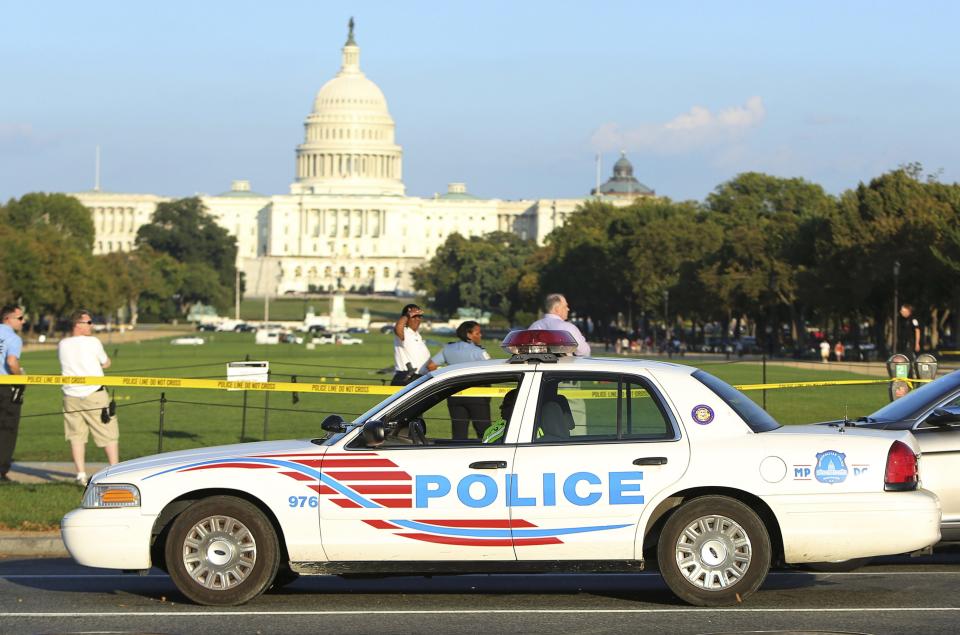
<point x="219" y="552"/>
<point x="713" y="552"/>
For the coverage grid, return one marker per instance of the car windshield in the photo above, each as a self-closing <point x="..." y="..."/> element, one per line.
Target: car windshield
<point x="392" y="398"/>
<point x="916" y="401"/>
<point x="753" y="415"/>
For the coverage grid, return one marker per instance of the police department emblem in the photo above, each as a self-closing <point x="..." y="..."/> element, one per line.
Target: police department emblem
<point x="702" y="414"/>
<point x="831" y="467"/>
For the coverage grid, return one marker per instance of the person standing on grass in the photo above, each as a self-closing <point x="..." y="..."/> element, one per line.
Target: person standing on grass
<point x="410" y="353"/>
<point x="87" y="410"/>
<point x="11" y="397"/>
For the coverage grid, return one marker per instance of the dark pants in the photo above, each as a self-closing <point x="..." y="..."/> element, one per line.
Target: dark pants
<point x="9" y="425"/>
<point x="463" y="410"/>
<point x="402" y="378"/>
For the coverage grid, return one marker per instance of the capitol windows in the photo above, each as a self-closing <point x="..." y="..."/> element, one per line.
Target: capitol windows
<point x="312" y="273"/>
<point x="327" y="272"/>
<point x="371" y="273"/>
<point x="298" y="272"/>
<point x="386" y="272"/>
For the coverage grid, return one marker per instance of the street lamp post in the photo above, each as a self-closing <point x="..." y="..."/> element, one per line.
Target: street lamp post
<point x="896" y="301"/>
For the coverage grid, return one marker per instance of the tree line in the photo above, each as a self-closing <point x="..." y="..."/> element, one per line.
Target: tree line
<point x="778" y="252"/>
<point x="47" y="264"/>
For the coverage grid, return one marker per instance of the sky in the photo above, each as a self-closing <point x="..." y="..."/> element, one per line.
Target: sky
<point x="516" y="99"/>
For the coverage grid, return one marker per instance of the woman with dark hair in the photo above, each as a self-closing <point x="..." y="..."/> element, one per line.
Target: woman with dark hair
<point x="464" y="410"/>
<point x="410" y="353"/>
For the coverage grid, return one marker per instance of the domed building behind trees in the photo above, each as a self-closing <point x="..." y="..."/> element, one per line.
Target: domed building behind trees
<point x="347" y="223"/>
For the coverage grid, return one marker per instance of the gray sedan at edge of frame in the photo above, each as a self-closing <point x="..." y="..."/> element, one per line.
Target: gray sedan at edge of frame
<point x="932" y="413"/>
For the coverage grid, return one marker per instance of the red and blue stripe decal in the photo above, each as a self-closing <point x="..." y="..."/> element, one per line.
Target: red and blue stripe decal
<point x="368" y="480"/>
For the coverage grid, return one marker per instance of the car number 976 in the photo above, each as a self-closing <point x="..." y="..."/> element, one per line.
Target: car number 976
<point x="302" y="501"/>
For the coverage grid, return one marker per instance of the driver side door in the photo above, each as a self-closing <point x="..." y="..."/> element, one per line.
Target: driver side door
<point x="442" y="500"/>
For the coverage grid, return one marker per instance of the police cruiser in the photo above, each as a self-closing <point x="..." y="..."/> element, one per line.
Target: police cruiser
<point x="586" y="465"/>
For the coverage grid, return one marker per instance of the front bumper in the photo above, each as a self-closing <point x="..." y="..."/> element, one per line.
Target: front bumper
<point x="108" y="538"/>
<point x="834" y="527"/>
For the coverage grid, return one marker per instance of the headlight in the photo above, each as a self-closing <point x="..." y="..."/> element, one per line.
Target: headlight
<point x="99" y="496"/>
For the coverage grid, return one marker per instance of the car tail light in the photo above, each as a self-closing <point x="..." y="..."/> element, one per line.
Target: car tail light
<point x="901" y="473"/>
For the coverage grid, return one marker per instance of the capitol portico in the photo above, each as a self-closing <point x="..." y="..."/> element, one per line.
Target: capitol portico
<point x="346" y="222"/>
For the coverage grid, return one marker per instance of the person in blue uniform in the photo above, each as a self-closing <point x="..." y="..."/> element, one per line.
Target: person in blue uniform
<point x="465" y="410"/>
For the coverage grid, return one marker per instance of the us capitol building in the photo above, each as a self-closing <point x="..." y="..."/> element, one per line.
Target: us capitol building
<point x="347" y="222"/>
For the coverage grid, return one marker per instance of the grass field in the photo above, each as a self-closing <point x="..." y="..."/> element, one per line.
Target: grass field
<point x="37" y="507"/>
<point x="196" y="418"/>
<point x="294" y="308"/>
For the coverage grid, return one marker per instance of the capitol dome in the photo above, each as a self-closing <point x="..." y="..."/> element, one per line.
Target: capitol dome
<point x="349" y="145"/>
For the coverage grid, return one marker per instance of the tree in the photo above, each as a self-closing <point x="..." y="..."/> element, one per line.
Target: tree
<point x="480" y="271"/>
<point x="767" y="257"/>
<point x="57" y="213"/>
<point x="184" y="230"/>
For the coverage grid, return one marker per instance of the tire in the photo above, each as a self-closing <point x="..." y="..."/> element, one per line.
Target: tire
<point x="838" y="566"/>
<point x="714" y="551"/>
<point x="222" y="551"/>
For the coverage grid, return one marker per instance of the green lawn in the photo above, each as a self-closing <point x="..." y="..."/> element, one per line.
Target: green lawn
<point x="294" y="308"/>
<point x="196" y="418"/>
<point x="37" y="507"/>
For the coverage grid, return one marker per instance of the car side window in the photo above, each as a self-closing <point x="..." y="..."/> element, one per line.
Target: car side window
<point x="463" y="411"/>
<point x="599" y="407"/>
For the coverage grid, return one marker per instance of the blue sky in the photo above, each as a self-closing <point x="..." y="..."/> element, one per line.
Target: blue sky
<point x="513" y="98"/>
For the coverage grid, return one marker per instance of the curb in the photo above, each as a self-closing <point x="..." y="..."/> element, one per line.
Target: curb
<point x="39" y="543"/>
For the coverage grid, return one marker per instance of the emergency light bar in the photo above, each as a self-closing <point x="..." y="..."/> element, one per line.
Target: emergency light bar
<point x="538" y="344"/>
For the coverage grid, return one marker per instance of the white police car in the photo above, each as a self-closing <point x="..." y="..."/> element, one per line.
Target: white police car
<point x="590" y="465"/>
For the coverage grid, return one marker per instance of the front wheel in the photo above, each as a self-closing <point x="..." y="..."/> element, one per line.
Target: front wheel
<point x="222" y="551"/>
<point x="714" y="551"/>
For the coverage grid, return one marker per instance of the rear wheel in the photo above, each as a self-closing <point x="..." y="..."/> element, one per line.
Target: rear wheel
<point x="222" y="551"/>
<point x="714" y="551"/>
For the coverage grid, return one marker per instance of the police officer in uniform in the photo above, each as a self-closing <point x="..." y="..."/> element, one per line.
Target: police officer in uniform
<point x="911" y="332"/>
<point x="464" y="410"/>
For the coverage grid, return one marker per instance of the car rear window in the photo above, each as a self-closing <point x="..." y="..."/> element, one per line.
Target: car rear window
<point x="756" y="417"/>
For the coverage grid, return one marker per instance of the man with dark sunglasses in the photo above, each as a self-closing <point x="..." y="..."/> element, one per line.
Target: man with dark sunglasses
<point x="87" y="410"/>
<point x="11" y="397"/>
<point x="410" y="354"/>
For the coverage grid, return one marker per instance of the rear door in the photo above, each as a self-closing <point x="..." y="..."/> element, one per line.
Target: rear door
<point x="597" y="448"/>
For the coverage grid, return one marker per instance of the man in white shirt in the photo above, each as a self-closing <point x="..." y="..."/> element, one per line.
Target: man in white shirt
<point x="86" y="409"/>
<point x="410" y="354"/>
<point x="555" y="319"/>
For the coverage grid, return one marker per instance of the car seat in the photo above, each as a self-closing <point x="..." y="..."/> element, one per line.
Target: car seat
<point x="554" y="424"/>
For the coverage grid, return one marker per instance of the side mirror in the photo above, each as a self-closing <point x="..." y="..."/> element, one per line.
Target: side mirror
<point x="374" y="433"/>
<point x="333" y="423"/>
<point x="944" y="416"/>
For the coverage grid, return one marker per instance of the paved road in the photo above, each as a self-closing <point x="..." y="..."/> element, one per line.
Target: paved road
<point x="897" y="595"/>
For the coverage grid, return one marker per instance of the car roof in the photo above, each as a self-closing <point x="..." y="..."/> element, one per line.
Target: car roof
<point x="567" y="362"/>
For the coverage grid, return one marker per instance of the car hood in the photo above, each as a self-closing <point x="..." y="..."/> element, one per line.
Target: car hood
<point x="186" y="457"/>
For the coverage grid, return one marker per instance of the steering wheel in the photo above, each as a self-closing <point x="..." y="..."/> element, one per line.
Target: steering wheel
<point x="418" y="432"/>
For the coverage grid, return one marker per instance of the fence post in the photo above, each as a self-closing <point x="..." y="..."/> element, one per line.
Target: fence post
<point x="266" y="408"/>
<point x="764" y="378"/>
<point x="163" y="404"/>
<point x="243" y="418"/>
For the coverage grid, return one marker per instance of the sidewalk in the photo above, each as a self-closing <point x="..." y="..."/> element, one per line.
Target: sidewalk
<point x="42" y="544"/>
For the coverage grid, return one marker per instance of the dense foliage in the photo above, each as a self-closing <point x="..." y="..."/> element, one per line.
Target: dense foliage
<point x="781" y="253"/>
<point x="47" y="262"/>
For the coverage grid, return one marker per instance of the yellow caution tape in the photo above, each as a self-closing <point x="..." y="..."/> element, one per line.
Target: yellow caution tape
<point x="203" y="384"/>
<point x="363" y="389"/>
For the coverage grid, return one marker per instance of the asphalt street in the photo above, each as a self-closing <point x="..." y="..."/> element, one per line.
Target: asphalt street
<point x="895" y="595"/>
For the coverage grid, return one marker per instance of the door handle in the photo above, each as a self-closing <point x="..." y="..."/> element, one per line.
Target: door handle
<point x="488" y="465"/>
<point x="651" y="460"/>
